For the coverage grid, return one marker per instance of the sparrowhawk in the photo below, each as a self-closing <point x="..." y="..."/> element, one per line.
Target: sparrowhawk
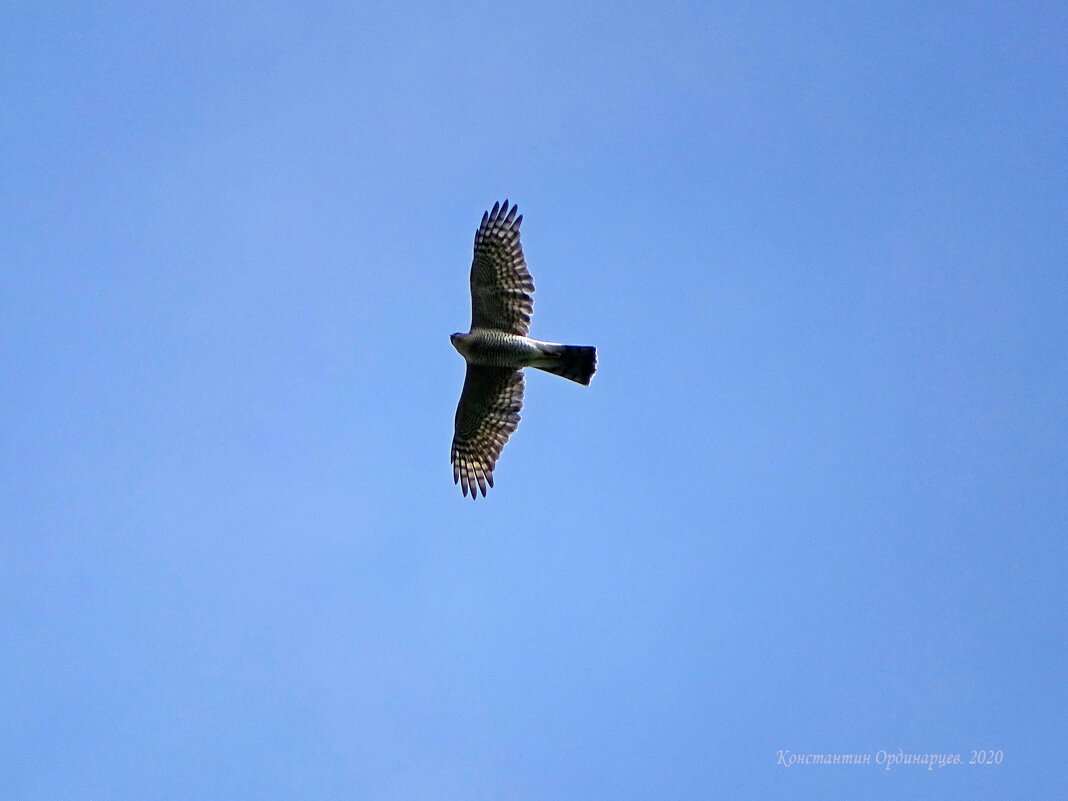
<point x="497" y="349"/>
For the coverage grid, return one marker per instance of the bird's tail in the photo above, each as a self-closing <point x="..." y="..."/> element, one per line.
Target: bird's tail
<point x="576" y="362"/>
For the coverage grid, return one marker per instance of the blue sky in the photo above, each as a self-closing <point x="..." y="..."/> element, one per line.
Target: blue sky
<point x="813" y="501"/>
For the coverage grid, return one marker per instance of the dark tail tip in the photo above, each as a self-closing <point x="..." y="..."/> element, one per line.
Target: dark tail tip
<point x="575" y="362"/>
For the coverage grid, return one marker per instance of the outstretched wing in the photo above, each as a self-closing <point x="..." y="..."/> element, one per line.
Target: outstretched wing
<point x="487" y="415"/>
<point x="501" y="286"/>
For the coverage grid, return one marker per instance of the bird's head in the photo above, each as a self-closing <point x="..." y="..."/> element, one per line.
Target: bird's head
<point x="456" y="339"/>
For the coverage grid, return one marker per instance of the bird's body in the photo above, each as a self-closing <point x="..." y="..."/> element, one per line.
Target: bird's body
<point x="497" y="348"/>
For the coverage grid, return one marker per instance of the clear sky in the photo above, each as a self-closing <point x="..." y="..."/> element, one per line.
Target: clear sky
<point x="814" y="501"/>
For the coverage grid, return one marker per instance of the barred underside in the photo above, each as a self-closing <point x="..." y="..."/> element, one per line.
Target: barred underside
<point x="501" y="349"/>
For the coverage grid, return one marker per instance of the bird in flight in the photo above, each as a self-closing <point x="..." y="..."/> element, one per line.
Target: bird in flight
<point x="497" y="349"/>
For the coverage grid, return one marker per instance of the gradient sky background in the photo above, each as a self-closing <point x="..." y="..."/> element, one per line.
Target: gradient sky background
<point x="815" y="498"/>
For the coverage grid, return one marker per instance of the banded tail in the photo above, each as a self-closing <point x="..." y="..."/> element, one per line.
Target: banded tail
<point x="575" y="362"/>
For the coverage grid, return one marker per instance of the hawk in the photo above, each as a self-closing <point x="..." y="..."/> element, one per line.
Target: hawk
<point x="497" y="349"/>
